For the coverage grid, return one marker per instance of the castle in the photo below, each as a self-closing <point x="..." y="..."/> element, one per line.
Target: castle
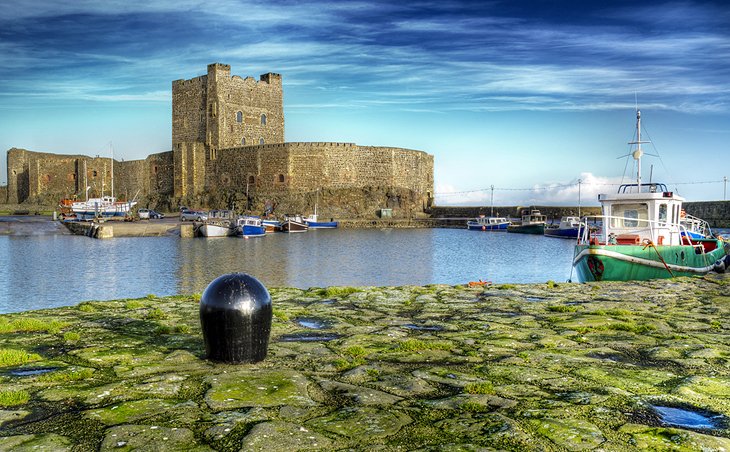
<point x="228" y="150"/>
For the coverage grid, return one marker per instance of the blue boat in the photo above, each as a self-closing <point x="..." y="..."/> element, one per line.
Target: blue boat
<point x="567" y="229"/>
<point x="487" y="224"/>
<point x="250" y="227"/>
<point x="314" y="224"/>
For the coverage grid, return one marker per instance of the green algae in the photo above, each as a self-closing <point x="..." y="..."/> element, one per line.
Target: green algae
<point x="278" y="435"/>
<point x="130" y="412"/>
<point x="527" y="367"/>
<point x="13" y="398"/>
<point x="50" y="441"/>
<point x="13" y="357"/>
<point x="263" y="388"/>
<point x="150" y="438"/>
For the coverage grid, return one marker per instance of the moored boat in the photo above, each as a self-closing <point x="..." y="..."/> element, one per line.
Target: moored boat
<point x="214" y="228"/>
<point x="105" y="206"/>
<point x="533" y="222"/>
<point x="271" y="225"/>
<point x="483" y="223"/>
<point x="293" y="223"/>
<point x="313" y="223"/>
<point x="643" y="236"/>
<point x="567" y="229"/>
<point x="248" y="226"/>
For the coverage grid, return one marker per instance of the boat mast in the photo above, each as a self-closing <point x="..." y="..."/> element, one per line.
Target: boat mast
<point x="86" y="182"/>
<point x="112" y="149"/>
<point x="491" y="214"/>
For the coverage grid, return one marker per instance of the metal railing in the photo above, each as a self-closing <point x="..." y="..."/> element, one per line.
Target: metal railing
<point x="645" y="229"/>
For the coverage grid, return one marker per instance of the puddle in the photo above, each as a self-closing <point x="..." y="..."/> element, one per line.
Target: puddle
<point x="31" y="372"/>
<point x="413" y="326"/>
<point x="312" y="324"/>
<point x="679" y="417"/>
<point x="535" y="298"/>
<point x="308" y="337"/>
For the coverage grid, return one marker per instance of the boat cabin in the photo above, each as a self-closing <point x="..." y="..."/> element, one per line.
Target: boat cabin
<point x="534" y="217"/>
<point x="490" y="221"/>
<point x="639" y="213"/>
<point x="569" y="222"/>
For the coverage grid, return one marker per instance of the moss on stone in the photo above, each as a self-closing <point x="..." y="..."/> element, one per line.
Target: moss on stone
<point x="432" y="368"/>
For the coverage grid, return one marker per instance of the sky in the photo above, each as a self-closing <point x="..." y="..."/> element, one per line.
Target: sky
<point x="534" y="98"/>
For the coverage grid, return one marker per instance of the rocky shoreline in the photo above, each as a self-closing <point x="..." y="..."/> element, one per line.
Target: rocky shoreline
<point x="513" y="367"/>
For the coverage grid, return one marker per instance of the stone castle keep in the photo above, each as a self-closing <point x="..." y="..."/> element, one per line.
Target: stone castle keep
<point x="228" y="150"/>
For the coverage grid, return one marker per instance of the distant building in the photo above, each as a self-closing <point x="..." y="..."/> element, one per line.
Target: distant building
<point x="228" y="148"/>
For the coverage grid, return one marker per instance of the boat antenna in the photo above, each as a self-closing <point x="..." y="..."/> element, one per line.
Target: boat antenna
<point x="638" y="152"/>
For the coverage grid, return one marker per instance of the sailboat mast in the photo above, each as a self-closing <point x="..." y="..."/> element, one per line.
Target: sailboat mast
<point x="112" y="150"/>
<point x="638" y="149"/>
<point x="86" y="182"/>
<point x="491" y="212"/>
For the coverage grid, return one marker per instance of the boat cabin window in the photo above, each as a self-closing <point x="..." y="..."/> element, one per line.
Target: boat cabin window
<point x="662" y="215"/>
<point x="629" y="215"/>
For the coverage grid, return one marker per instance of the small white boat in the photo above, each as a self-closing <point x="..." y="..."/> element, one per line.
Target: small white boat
<point x="106" y="206"/>
<point x="217" y="229"/>
<point x="488" y="224"/>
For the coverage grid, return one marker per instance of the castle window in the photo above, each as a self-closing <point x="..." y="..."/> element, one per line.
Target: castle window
<point x="239" y="117"/>
<point x="251" y="179"/>
<point x="281" y="178"/>
<point x="263" y="120"/>
<point x="93" y="173"/>
<point x="261" y="141"/>
<point x="243" y="141"/>
<point x="213" y="154"/>
<point x="154" y="169"/>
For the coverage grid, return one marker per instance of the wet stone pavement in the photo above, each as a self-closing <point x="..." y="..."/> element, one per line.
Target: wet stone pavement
<point x="602" y="366"/>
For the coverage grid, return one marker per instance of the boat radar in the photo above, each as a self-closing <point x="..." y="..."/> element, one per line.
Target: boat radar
<point x="638" y="152"/>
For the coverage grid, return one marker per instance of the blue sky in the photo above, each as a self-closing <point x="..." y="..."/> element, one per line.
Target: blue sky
<point x="526" y="96"/>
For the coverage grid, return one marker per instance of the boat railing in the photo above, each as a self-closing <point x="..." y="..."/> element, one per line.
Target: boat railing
<point x="643" y="230"/>
<point x="697" y="225"/>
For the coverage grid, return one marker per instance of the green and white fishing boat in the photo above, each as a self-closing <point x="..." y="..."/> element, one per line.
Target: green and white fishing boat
<point x="533" y="222"/>
<point x="643" y="235"/>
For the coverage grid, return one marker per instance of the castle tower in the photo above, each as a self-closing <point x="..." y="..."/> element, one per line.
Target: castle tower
<point x="219" y="111"/>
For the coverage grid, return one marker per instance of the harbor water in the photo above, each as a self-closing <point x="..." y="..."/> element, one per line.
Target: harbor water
<point x="45" y="271"/>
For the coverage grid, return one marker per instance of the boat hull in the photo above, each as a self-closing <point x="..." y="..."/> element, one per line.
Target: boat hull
<point x="527" y="229"/>
<point x="322" y="224"/>
<point x="562" y="233"/>
<point x="293" y="226"/>
<point x="640" y="263"/>
<point x="474" y="226"/>
<point x="251" y="231"/>
<point x="215" y="230"/>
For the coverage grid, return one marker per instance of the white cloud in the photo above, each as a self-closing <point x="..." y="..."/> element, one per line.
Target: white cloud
<point x="564" y="193"/>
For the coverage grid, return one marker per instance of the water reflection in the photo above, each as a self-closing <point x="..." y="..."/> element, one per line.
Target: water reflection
<point x="56" y="270"/>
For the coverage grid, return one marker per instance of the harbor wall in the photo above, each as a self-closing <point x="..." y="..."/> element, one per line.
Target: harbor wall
<point x="716" y="213"/>
<point x="552" y="212"/>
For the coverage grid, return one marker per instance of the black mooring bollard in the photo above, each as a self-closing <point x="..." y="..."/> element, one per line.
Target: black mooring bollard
<point x="235" y="315"/>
